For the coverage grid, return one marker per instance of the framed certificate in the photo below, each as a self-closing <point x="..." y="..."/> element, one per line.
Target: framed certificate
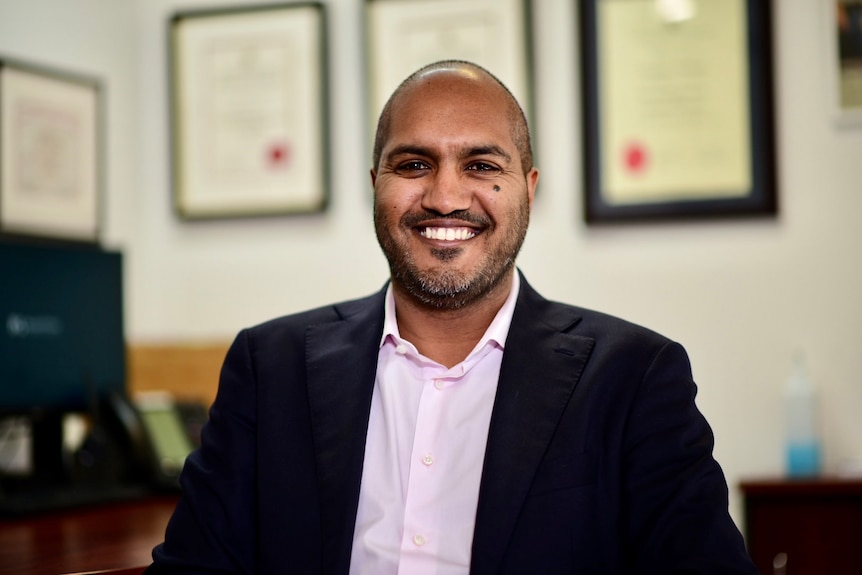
<point x="844" y="32"/>
<point x="248" y="111"/>
<point x="677" y="109"/>
<point x="50" y="152"/>
<point x="405" y="35"/>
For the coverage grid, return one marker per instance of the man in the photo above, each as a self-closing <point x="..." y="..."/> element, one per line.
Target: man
<point x="455" y="422"/>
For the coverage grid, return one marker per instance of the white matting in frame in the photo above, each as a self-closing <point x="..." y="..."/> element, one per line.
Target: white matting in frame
<point x="49" y="164"/>
<point x="404" y="35"/>
<point x="249" y="104"/>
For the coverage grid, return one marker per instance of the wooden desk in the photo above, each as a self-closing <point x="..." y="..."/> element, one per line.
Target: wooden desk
<point x="109" y="536"/>
<point x="816" y="523"/>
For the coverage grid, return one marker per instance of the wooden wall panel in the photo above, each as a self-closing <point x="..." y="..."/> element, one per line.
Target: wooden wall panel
<point x="187" y="370"/>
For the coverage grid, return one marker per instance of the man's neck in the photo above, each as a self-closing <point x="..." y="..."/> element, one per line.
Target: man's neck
<point x="448" y="336"/>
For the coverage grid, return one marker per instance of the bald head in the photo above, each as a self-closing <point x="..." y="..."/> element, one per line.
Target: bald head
<point x="469" y="72"/>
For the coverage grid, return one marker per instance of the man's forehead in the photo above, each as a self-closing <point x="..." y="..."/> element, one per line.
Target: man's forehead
<point x="449" y="124"/>
<point x="449" y="84"/>
<point x="450" y="100"/>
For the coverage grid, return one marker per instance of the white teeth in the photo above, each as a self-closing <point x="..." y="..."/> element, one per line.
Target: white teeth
<point x="448" y="234"/>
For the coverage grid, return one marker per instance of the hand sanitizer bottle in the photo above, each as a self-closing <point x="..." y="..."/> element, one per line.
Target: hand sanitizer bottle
<point x="802" y="458"/>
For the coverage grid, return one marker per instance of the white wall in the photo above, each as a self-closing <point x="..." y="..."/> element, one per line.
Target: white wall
<point x="740" y="295"/>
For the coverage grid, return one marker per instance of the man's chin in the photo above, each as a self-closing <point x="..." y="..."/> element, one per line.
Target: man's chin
<point x="446" y="288"/>
<point x="443" y="281"/>
<point x="437" y="287"/>
<point x="441" y="300"/>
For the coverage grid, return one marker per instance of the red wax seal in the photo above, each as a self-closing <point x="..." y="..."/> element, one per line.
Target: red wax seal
<point x="278" y="155"/>
<point x="635" y="158"/>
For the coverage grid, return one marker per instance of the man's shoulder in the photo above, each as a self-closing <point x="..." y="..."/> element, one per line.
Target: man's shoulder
<point x="600" y="324"/>
<point x="586" y="321"/>
<point x="297" y="322"/>
<point x="612" y="339"/>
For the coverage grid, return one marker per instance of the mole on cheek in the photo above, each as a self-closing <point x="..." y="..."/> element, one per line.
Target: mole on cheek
<point x="496" y="188"/>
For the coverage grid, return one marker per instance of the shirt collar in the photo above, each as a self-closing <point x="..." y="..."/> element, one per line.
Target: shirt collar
<point x="497" y="332"/>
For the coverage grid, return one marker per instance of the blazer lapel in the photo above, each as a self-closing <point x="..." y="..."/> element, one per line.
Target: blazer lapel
<point x="341" y="358"/>
<point x="541" y="367"/>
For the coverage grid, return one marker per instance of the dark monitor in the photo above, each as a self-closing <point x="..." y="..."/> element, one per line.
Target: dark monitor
<point x="62" y="354"/>
<point x="62" y="343"/>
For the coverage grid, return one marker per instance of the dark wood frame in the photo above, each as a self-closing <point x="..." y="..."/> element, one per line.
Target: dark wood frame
<point x="761" y="199"/>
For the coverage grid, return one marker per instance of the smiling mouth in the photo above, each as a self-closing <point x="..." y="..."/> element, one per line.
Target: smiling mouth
<point x="448" y="234"/>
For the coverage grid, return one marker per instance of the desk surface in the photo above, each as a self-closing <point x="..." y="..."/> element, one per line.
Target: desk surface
<point x="109" y="536"/>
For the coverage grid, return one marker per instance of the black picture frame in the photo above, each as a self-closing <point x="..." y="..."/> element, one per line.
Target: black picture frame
<point x="249" y="110"/>
<point x="604" y="202"/>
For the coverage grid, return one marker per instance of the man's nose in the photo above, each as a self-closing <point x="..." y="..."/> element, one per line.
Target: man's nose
<point x="447" y="192"/>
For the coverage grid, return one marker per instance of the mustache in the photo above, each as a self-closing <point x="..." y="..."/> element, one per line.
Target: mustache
<point x="413" y="219"/>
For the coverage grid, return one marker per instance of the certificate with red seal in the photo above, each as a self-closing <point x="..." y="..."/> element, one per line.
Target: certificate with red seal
<point x="248" y="111"/>
<point x="677" y="109"/>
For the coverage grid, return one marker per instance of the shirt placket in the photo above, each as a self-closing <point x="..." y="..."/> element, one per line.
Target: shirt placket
<point x="420" y="543"/>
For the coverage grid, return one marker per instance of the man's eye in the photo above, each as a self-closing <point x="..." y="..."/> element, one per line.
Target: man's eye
<point x="412" y="166"/>
<point x="482" y="167"/>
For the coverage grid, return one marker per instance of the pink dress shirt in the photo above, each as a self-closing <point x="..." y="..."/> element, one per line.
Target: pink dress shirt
<point x="423" y="454"/>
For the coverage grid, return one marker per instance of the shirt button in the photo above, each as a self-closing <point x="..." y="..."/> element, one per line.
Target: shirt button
<point x="427" y="460"/>
<point x="438" y="383"/>
<point x="401" y="349"/>
<point x="418" y="540"/>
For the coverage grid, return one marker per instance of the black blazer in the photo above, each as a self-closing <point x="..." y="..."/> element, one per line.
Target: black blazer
<point x="597" y="459"/>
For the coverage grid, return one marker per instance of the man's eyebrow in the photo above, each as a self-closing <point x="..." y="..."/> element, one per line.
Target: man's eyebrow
<point x="489" y="150"/>
<point x="415" y="150"/>
<point x="408" y="150"/>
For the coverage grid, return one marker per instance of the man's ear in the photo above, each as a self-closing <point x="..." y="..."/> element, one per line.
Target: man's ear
<point x="373" y="176"/>
<point x="532" y="182"/>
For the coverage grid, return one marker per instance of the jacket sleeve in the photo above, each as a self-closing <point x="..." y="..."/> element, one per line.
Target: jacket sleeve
<point x="212" y="529"/>
<point x="675" y="493"/>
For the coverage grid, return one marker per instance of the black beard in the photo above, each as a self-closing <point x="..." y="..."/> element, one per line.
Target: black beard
<point x="445" y="254"/>
<point x="446" y="290"/>
<point x="443" y="289"/>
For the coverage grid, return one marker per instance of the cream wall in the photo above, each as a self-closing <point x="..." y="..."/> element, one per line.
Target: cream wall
<point x="741" y="295"/>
